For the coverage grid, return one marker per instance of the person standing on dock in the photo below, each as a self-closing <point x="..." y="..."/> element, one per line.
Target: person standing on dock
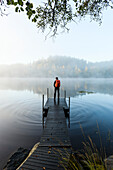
<point x="57" y="87"/>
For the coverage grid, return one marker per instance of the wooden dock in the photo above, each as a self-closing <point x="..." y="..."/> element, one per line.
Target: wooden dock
<point x="55" y="142"/>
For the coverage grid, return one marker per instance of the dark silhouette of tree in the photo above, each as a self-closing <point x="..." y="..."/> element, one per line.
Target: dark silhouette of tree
<point x="53" y="14"/>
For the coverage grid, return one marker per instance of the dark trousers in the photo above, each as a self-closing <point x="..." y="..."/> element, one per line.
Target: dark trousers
<point x="56" y="90"/>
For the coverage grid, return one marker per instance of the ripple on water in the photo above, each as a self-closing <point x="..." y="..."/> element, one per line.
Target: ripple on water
<point x="29" y="113"/>
<point x="87" y="110"/>
<point x="24" y="112"/>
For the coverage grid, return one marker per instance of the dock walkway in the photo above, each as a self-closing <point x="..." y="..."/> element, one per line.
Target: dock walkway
<point x="54" y="142"/>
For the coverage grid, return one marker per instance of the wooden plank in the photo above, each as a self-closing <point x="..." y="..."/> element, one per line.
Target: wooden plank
<point x="54" y="140"/>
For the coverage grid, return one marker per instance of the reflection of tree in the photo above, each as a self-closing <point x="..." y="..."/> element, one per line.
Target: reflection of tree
<point x="72" y="86"/>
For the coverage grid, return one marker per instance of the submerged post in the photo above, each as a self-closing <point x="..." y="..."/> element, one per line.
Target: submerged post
<point x="47" y="93"/>
<point x="65" y="94"/>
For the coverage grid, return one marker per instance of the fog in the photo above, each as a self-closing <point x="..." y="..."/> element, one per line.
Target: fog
<point x="59" y="66"/>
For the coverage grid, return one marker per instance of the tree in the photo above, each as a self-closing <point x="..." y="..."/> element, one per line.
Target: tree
<point x="53" y="14"/>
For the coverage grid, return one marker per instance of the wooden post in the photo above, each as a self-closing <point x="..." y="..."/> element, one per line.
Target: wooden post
<point x="69" y="121"/>
<point x="43" y="122"/>
<point x="43" y="109"/>
<point x="65" y="94"/>
<point x="47" y="93"/>
<point x="69" y="114"/>
<point x="69" y="104"/>
<point x="42" y="103"/>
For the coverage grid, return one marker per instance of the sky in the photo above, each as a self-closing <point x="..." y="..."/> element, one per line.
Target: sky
<point x="22" y="42"/>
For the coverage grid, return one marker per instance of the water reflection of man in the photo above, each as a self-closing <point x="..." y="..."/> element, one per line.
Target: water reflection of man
<point x="56" y="88"/>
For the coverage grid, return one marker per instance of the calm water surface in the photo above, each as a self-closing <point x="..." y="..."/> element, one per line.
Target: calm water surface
<point x="21" y="118"/>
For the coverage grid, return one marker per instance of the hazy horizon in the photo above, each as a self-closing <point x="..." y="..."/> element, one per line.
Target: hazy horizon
<point x="60" y="66"/>
<point x="45" y="58"/>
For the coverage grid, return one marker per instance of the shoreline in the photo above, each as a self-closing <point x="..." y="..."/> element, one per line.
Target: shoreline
<point x="17" y="158"/>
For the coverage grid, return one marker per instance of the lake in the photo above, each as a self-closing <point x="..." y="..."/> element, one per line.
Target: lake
<point x="21" y="112"/>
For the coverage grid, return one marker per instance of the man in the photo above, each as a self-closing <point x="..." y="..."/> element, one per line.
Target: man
<point x="57" y="87"/>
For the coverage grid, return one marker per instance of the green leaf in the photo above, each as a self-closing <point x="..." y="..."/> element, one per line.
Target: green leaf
<point x="27" y="3"/>
<point x="16" y="9"/>
<point x="20" y="2"/>
<point x="36" y="16"/>
<point x="31" y="5"/>
<point x="34" y="20"/>
<point x="29" y="14"/>
<point x="12" y="2"/>
<point x="27" y="8"/>
<point x="33" y="11"/>
<point x="15" y="3"/>
<point x="8" y="2"/>
<point x="21" y="9"/>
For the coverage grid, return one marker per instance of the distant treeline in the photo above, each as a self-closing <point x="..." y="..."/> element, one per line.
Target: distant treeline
<point x="59" y="66"/>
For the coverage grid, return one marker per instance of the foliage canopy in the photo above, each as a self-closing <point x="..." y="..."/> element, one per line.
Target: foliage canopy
<point x="53" y="14"/>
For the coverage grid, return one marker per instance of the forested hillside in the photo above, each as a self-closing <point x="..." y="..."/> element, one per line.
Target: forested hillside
<point x="59" y="66"/>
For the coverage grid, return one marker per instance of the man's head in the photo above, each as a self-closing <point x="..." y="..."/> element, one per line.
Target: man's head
<point x="56" y="78"/>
